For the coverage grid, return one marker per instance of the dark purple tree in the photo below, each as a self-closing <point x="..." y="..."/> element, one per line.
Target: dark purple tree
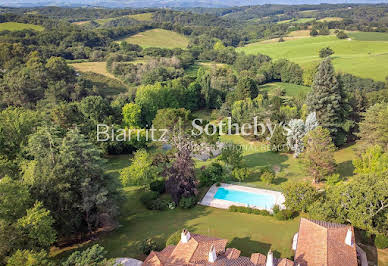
<point x="181" y="176"/>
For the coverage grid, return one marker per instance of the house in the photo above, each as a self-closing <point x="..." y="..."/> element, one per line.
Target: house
<point x="323" y="243"/>
<point x="316" y="243"/>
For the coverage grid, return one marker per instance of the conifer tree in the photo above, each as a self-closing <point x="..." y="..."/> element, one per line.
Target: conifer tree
<point x="326" y="100"/>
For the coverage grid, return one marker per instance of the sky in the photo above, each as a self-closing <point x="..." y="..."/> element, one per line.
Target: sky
<point x="168" y="3"/>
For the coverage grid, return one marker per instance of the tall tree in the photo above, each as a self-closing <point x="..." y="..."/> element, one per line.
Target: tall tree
<point x="374" y="127"/>
<point x="181" y="175"/>
<point x="319" y="154"/>
<point x="66" y="175"/>
<point x="326" y="99"/>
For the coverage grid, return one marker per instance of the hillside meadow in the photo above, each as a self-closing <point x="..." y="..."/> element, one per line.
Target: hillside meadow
<point x="158" y="38"/>
<point x="15" y="26"/>
<point x="364" y="58"/>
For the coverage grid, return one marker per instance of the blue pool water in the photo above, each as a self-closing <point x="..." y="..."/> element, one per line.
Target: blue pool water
<point x="252" y="199"/>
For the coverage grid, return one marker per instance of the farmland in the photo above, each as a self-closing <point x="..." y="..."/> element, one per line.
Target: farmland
<point x="158" y="38"/>
<point x="361" y="58"/>
<point x="15" y="26"/>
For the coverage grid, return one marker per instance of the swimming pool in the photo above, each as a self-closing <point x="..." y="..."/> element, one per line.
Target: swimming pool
<point x="264" y="201"/>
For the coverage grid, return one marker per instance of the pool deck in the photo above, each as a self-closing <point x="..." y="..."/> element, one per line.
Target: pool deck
<point x="210" y="201"/>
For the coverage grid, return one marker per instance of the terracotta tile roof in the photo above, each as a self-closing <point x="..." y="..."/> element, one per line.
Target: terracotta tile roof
<point x="258" y="259"/>
<point x="323" y="243"/>
<point x="232" y="253"/>
<point x="284" y="262"/>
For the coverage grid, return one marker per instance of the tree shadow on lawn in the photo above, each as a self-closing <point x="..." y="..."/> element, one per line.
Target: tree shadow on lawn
<point x="345" y="169"/>
<point x="139" y="224"/>
<point x="247" y="246"/>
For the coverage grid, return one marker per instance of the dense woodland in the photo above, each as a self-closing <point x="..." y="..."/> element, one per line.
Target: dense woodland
<point x="52" y="182"/>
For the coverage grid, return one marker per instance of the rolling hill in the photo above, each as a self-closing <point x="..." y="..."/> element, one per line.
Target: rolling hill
<point x="361" y="58"/>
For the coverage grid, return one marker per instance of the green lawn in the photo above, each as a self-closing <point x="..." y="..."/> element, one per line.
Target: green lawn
<point x="290" y="89"/>
<point x="159" y="38"/>
<point x="246" y="232"/>
<point x="15" y="26"/>
<point x="249" y="233"/>
<point x="362" y="58"/>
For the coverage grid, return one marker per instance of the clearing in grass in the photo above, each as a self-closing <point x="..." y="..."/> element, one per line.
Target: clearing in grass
<point x="158" y="38"/>
<point x="15" y="26"/>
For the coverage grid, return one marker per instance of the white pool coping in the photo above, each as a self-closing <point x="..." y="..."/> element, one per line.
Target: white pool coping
<point x="210" y="201"/>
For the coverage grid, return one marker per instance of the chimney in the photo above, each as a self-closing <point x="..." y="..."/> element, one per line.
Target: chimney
<point x="348" y="238"/>
<point x="269" y="259"/>
<point x="185" y="236"/>
<point x="212" y="254"/>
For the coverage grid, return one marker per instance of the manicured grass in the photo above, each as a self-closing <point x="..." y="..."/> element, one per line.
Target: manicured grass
<point x="159" y="38"/>
<point x="15" y="26"/>
<point x="290" y="89"/>
<point x="362" y="58"/>
<point x="96" y="67"/>
<point x="368" y="36"/>
<point x="249" y="233"/>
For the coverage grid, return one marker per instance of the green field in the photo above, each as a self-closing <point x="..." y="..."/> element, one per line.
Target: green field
<point x="368" y="36"/>
<point x="290" y="89"/>
<point x="365" y="59"/>
<point x="298" y="21"/>
<point x="142" y="16"/>
<point x="15" y="26"/>
<point x="328" y="19"/>
<point x="158" y="38"/>
<point x="139" y="17"/>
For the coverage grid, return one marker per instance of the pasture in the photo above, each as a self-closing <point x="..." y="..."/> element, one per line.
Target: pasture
<point x="15" y="26"/>
<point x="96" y="67"/>
<point x="365" y="59"/>
<point x="328" y="19"/>
<point x="142" y="16"/>
<point x="158" y="38"/>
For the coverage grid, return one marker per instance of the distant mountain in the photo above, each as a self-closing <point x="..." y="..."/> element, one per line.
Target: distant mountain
<point x="167" y="3"/>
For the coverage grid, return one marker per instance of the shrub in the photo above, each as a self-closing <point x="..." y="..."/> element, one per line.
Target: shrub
<point x="91" y="256"/>
<point x="276" y="209"/>
<point x="159" y="205"/>
<point x="173" y="239"/>
<point x="211" y="175"/>
<point x="314" y="32"/>
<point x="241" y="174"/>
<point x="325" y="52"/>
<point x="267" y="176"/>
<point x="381" y="241"/>
<point x="158" y="186"/>
<point x="187" y="202"/>
<point x="342" y="35"/>
<point x="151" y="201"/>
<point x="248" y="210"/>
<point x="333" y="179"/>
<point x="283" y="215"/>
<point x="147" y="245"/>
